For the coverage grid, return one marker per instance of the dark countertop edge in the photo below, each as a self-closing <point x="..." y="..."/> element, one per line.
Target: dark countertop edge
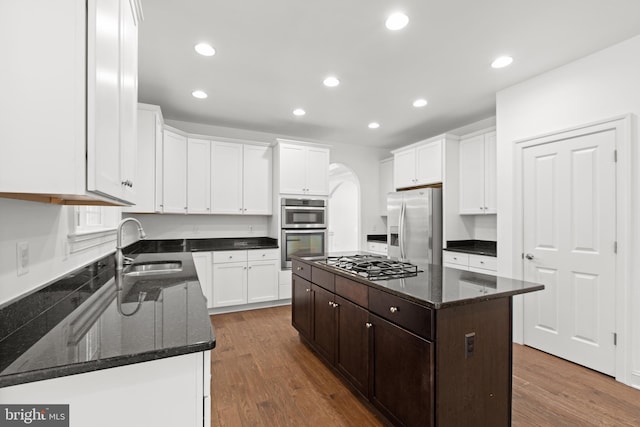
<point x="419" y="301"/>
<point x="97" y="365"/>
<point x="187" y="245"/>
<point x="471" y="251"/>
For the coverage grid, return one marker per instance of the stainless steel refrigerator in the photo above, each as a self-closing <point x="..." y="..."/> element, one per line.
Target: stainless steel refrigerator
<point x="414" y="225"/>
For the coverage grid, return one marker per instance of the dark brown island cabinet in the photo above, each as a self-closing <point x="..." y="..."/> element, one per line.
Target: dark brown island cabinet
<point x="429" y="350"/>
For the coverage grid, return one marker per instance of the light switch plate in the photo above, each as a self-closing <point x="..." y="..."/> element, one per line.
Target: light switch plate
<point x="22" y="258"/>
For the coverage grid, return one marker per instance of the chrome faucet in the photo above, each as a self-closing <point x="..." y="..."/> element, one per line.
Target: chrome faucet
<point x="121" y="260"/>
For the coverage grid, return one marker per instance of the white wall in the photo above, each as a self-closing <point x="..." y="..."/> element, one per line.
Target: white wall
<point x="597" y="87"/>
<point x="45" y="227"/>
<point x="344" y="210"/>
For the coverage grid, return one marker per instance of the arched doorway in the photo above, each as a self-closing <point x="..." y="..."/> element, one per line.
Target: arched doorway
<point x="344" y="209"/>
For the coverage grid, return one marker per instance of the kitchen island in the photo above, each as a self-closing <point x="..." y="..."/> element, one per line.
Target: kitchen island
<point x="433" y="348"/>
<point x="129" y="348"/>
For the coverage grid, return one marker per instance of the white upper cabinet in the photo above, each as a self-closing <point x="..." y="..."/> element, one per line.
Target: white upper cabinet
<point x="478" y="174"/>
<point x="174" y="178"/>
<point x="148" y="183"/>
<point x="304" y="169"/>
<point x="82" y="149"/>
<point x="418" y="164"/>
<point x="198" y="176"/>
<point x="241" y="179"/>
<point x="226" y="184"/>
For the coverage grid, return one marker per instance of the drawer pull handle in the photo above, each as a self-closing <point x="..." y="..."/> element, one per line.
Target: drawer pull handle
<point x="368" y="325"/>
<point x="393" y="309"/>
<point x="299" y="268"/>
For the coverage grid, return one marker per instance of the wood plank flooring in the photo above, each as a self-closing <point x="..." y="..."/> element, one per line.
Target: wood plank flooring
<point x="262" y="375"/>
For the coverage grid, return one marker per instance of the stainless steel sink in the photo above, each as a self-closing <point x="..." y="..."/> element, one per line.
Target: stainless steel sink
<point x="154" y="267"/>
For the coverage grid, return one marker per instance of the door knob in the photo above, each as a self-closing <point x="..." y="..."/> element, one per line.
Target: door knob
<point x="529" y="256"/>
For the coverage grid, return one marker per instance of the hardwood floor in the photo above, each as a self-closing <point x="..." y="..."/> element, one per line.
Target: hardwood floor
<point x="262" y="375"/>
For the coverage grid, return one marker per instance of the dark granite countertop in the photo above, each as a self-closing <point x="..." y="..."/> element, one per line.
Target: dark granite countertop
<point x="90" y="319"/>
<point x="439" y="287"/>
<point x="202" y="245"/>
<point x="478" y="247"/>
<point x="380" y="238"/>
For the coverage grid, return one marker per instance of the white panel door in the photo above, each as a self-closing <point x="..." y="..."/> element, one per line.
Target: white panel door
<point x="229" y="284"/>
<point x="262" y="284"/>
<point x="293" y="173"/>
<point x="257" y="180"/>
<point x="429" y="163"/>
<point x="317" y="171"/>
<point x="472" y="173"/>
<point x="569" y="233"/>
<point x="198" y="176"/>
<point x="174" y="173"/>
<point x="226" y="178"/>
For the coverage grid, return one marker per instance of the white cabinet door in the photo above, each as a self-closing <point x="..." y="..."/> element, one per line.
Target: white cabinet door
<point x="490" y="172"/>
<point x="198" y="176"/>
<point x="292" y="169"/>
<point x="385" y="171"/>
<point x="103" y="98"/>
<point x="174" y="165"/>
<point x="226" y="178"/>
<point x="229" y="284"/>
<point x="128" y="101"/>
<point x="429" y="163"/>
<point x="404" y="169"/>
<point x="204" y="265"/>
<point x="257" y="180"/>
<point x="262" y="281"/>
<point x="317" y="168"/>
<point x="472" y="172"/>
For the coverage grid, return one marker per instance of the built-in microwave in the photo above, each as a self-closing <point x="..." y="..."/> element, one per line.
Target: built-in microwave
<point x="303" y="213"/>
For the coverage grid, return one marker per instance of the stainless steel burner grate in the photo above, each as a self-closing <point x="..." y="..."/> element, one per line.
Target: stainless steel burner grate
<point x="374" y="267"/>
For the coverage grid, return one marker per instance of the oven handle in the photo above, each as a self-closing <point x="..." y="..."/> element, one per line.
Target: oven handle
<point x="297" y="231"/>
<point x="304" y="208"/>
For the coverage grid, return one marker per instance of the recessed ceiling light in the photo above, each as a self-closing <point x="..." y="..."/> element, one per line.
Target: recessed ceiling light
<point x="396" y="21"/>
<point x="299" y="112"/>
<point x="200" y="94"/>
<point x="374" y="125"/>
<point x="331" y="81"/>
<point x="205" y="49"/>
<point x="419" y="103"/>
<point x="502" y="62"/>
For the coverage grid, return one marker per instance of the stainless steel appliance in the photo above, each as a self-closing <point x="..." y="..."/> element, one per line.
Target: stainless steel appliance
<point x="302" y="243"/>
<point x="414" y="225"/>
<point x="304" y="213"/>
<point x="304" y="228"/>
<point x="373" y="267"/>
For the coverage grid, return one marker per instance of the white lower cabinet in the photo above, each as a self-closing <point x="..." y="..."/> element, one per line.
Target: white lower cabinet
<point x="470" y="262"/>
<point x="177" y="387"/>
<point x="244" y="277"/>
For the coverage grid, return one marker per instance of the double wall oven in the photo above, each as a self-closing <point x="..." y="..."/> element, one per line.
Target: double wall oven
<point x="304" y="228"/>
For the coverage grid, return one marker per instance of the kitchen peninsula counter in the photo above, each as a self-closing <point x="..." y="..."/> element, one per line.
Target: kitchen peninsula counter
<point x="432" y="349"/>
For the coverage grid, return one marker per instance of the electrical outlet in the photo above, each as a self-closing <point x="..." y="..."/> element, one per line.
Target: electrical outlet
<point x="22" y="258"/>
<point x="469" y="344"/>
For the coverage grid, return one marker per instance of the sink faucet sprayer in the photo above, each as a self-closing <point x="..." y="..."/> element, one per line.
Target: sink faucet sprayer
<point x="120" y="258"/>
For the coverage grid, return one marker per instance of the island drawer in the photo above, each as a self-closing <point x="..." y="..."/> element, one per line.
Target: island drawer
<point x="413" y="317"/>
<point x="301" y="269"/>
<point x="323" y="278"/>
<point x="353" y="291"/>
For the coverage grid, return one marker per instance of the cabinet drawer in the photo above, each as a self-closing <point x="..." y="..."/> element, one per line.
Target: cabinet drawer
<point x="323" y="278"/>
<point x="260" y="254"/>
<point x="455" y="258"/>
<point x="229" y="256"/>
<point x="301" y="269"/>
<point x="353" y="291"/>
<point x="483" y="262"/>
<point x="406" y="314"/>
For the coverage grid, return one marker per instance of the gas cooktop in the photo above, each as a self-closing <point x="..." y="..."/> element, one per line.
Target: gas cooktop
<point x="373" y="267"/>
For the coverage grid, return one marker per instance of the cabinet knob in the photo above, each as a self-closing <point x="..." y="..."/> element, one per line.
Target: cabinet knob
<point x="230" y="256"/>
<point x="393" y="309"/>
<point x="299" y="268"/>
<point x="308" y="290"/>
<point x="481" y="262"/>
<point x="263" y="255"/>
<point x="368" y="325"/>
<point x="331" y="303"/>
<point x="335" y="305"/>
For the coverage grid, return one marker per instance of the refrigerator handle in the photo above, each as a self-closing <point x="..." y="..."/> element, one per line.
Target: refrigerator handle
<point x="401" y="230"/>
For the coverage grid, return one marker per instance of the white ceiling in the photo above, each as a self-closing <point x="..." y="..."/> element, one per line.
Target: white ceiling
<point x="272" y="56"/>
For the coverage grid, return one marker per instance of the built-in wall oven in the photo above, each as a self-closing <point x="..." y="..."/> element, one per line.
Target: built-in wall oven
<point x="304" y="228"/>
